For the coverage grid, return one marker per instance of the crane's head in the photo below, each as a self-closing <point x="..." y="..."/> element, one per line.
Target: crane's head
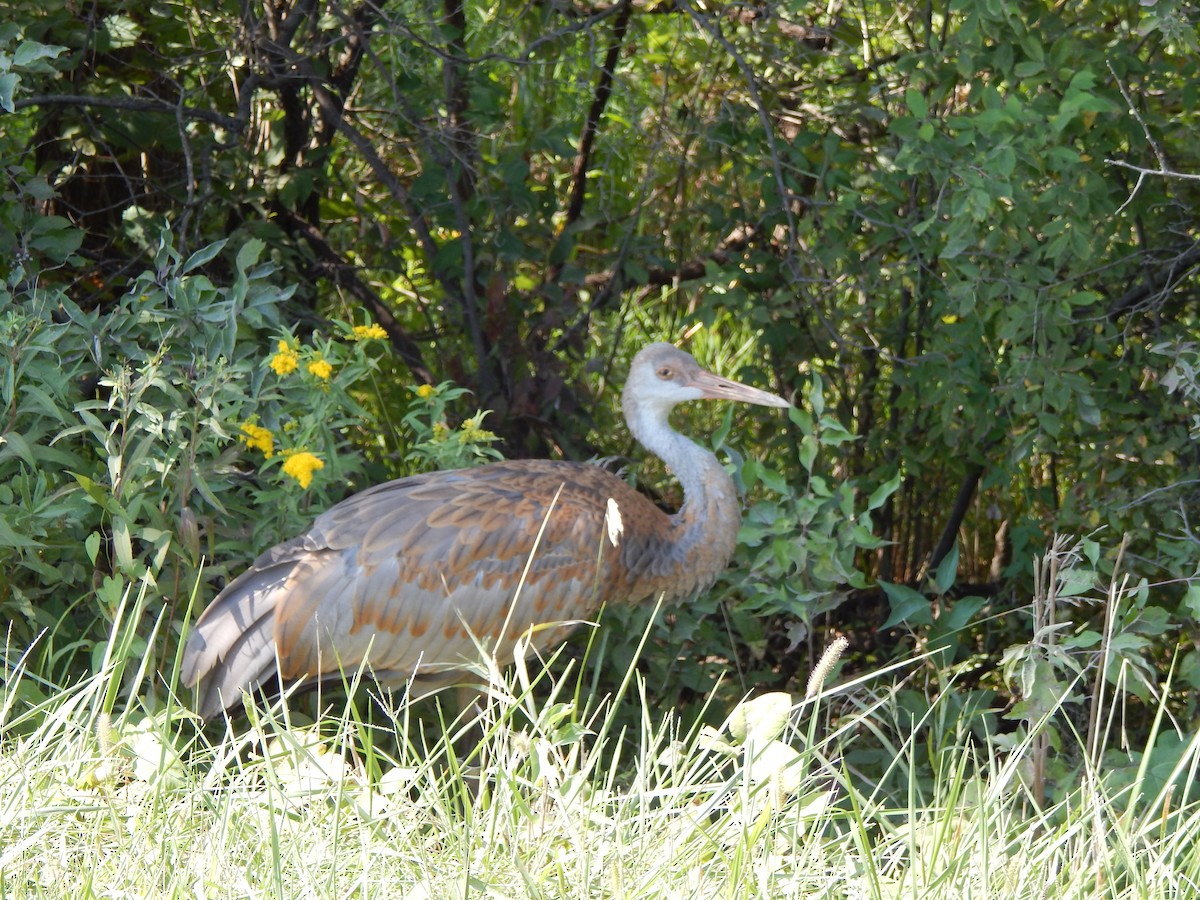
<point x="662" y="375"/>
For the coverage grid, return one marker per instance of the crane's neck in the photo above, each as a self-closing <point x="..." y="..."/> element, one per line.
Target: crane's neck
<point x="703" y="533"/>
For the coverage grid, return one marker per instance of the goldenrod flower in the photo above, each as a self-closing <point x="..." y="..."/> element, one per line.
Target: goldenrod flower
<point x="471" y="432"/>
<point x="286" y="360"/>
<point x="367" y="332"/>
<point x="426" y="391"/>
<point x="258" y="438"/>
<point x="301" y="465"/>
<point x="440" y="431"/>
<point x="321" y="368"/>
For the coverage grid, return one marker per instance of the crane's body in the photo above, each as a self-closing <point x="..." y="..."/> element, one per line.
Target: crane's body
<point x="412" y="576"/>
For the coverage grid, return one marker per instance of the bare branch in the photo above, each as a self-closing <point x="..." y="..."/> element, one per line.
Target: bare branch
<point x="459" y="164"/>
<point x="1161" y="279"/>
<point x="133" y="104"/>
<point x="736" y="241"/>
<point x="591" y="126"/>
<point x="1163" y="173"/>
<point x="603" y="91"/>
<point x="958" y="512"/>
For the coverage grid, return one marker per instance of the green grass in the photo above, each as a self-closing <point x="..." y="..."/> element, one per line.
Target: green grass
<point x="548" y="796"/>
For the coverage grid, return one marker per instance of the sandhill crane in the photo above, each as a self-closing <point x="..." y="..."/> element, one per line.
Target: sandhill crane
<point x="412" y="576"/>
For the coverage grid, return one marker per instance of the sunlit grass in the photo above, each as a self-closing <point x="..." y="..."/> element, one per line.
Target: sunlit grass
<point x="541" y="793"/>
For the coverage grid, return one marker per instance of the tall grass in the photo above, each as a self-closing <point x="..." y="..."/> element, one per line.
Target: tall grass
<point x="540" y="793"/>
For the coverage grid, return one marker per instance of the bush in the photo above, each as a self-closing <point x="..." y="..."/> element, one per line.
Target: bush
<point x="154" y="440"/>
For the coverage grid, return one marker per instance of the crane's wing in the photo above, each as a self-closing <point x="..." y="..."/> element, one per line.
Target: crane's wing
<point x="409" y="574"/>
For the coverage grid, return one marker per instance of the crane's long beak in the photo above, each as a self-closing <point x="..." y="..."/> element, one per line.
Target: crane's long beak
<point x="717" y="388"/>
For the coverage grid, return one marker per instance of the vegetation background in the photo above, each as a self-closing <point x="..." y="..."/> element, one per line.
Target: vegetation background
<point x="255" y="256"/>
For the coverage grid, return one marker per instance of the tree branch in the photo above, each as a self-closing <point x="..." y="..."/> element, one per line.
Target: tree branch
<point x="958" y="512"/>
<point x="735" y="242"/>
<point x="1159" y="172"/>
<point x="1159" y="280"/>
<point x="345" y="275"/>
<point x="459" y="164"/>
<point x="134" y="104"/>
<point x="591" y="125"/>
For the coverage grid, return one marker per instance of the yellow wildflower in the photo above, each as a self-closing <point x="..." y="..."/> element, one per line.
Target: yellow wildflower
<point x="471" y="433"/>
<point x="301" y="465"/>
<point x="426" y="391"/>
<point x="286" y="360"/>
<point x="440" y="431"/>
<point x="367" y="332"/>
<point x="258" y="438"/>
<point x="321" y="368"/>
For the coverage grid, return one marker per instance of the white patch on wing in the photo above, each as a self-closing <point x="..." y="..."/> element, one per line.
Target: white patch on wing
<point x="612" y="518"/>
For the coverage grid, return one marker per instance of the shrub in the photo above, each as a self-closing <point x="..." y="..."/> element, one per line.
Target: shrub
<point x="146" y="439"/>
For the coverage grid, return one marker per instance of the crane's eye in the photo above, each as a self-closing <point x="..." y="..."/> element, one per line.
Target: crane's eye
<point x="665" y="372"/>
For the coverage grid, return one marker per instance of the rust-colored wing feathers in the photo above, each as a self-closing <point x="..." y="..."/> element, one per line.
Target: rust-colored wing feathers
<point x="404" y="574"/>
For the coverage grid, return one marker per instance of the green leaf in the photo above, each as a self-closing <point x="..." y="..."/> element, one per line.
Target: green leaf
<point x="908" y="606"/>
<point x="56" y="237"/>
<point x="1084" y="640"/>
<point x="722" y="433"/>
<point x="880" y="494"/>
<point x="833" y="433"/>
<point x="120" y="32"/>
<point x="122" y="544"/>
<point x="1190" y="603"/>
<point x="749" y="472"/>
<point x="8" y="87"/>
<point x="1088" y="411"/>
<point x="1004" y="161"/>
<point x="773" y="480"/>
<point x="14" y="444"/>
<point x="204" y="255"/>
<point x="1075" y="582"/>
<point x="92" y="545"/>
<point x="9" y="537"/>
<point x="947" y="570"/>
<point x="29" y="52"/>
<point x="944" y="632"/>
<point x="96" y="491"/>
<point x="816" y="396"/>
<point x="960" y="614"/>
<point x="802" y="419"/>
<point x="635" y="272"/>
<point x="248" y="253"/>
<point x="808" y="451"/>
<point x="916" y="103"/>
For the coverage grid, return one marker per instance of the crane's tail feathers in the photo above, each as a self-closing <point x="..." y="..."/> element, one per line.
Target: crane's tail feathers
<point x="232" y="646"/>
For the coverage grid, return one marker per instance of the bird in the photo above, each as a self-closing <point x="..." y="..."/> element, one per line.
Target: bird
<point x="410" y="578"/>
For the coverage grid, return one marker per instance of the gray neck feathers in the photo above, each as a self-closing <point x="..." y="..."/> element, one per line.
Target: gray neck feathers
<point x="704" y="532"/>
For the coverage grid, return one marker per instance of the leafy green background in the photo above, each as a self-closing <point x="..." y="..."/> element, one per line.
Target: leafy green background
<point x="962" y="234"/>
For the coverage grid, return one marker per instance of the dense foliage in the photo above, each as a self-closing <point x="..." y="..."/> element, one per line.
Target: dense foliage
<point x="963" y="234"/>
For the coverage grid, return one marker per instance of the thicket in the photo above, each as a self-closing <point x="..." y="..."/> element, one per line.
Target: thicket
<point x="963" y="235"/>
